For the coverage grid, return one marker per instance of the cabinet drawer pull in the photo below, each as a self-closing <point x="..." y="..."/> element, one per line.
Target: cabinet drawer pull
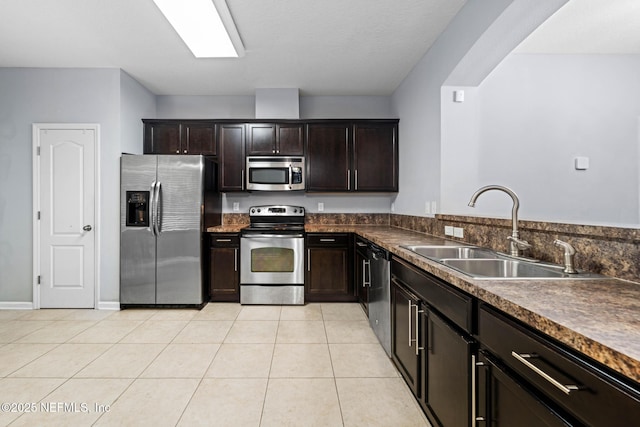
<point x="522" y="358"/>
<point x="223" y="240"/>
<point x="327" y="240"/>
<point x="362" y="245"/>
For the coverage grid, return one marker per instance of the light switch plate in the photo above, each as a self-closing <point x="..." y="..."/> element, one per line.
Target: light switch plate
<point x="320" y="207"/>
<point x="236" y="206"/>
<point x="448" y="230"/>
<point x="458" y="232"/>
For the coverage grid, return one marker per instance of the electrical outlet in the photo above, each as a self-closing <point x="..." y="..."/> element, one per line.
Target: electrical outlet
<point x="393" y="207"/>
<point x="320" y="207"/>
<point x="458" y="232"/>
<point x="448" y="230"/>
<point x="427" y="207"/>
<point x="236" y="206"/>
<point x="433" y="207"/>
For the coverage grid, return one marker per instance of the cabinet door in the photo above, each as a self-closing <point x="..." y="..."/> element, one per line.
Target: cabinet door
<point x="162" y="138"/>
<point x="328" y="167"/>
<point x="224" y="275"/>
<point x="328" y="275"/>
<point x="403" y="333"/>
<point x="199" y="138"/>
<point x="261" y="138"/>
<point x="375" y="157"/>
<point x="447" y="377"/>
<point x="231" y="171"/>
<point x="290" y="139"/>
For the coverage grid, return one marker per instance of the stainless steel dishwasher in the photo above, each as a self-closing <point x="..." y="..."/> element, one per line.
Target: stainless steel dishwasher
<point x="380" y="295"/>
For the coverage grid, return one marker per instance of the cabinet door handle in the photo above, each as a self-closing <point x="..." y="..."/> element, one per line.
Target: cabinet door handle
<point x="235" y="259"/>
<point x="348" y="179"/>
<point x="522" y="358"/>
<point x="417" y="329"/>
<point x="356" y="179"/>
<point x="308" y="259"/>
<point x="418" y="311"/>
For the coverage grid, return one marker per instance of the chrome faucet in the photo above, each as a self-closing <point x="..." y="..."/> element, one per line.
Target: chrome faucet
<point x="516" y="245"/>
<point x="569" y="252"/>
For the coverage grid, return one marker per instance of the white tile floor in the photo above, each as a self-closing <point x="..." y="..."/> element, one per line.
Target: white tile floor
<point x="226" y="365"/>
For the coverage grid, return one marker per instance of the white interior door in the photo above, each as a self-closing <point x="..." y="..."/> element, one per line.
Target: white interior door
<point x="66" y="187"/>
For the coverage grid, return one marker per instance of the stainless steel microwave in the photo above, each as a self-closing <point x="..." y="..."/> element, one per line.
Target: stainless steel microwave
<point x="275" y="173"/>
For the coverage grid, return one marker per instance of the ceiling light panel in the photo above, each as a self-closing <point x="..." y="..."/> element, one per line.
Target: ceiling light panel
<point x="199" y="24"/>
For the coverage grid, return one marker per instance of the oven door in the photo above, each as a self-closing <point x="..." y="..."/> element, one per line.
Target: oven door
<point x="272" y="259"/>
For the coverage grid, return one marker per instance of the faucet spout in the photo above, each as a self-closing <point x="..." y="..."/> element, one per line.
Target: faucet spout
<point x="516" y="244"/>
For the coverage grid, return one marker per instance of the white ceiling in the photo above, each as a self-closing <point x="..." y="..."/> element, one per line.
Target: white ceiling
<point x="322" y="47"/>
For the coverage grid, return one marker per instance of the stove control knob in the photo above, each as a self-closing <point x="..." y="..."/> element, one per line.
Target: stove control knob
<point x="301" y="210"/>
<point x="258" y="210"/>
<point x="253" y="211"/>
<point x="295" y="210"/>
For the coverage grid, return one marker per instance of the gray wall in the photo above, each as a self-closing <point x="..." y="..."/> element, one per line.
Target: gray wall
<point x="535" y="114"/>
<point x="27" y="96"/>
<point x="474" y="43"/>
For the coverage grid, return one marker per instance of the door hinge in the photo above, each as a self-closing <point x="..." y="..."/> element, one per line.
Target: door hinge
<point x="38" y="280"/>
<point x="38" y="150"/>
<point x="38" y="215"/>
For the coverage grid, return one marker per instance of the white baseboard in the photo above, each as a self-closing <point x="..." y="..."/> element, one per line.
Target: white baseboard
<point x="11" y="305"/>
<point x="108" y="305"/>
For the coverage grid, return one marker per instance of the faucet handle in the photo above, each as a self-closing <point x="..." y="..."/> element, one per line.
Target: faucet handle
<point x="521" y="244"/>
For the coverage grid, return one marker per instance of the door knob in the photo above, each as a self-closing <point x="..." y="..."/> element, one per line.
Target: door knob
<point x="87" y="228"/>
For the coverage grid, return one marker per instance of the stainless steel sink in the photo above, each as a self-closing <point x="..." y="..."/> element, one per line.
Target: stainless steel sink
<point x="446" y="252"/>
<point x="512" y="269"/>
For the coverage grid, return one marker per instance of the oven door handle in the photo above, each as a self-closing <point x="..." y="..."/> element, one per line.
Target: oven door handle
<point x="270" y="236"/>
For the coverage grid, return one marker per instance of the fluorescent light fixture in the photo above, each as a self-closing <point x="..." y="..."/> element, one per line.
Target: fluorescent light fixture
<point x="206" y="28"/>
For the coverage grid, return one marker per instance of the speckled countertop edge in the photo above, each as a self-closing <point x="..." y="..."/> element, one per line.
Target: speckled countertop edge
<point x="599" y="318"/>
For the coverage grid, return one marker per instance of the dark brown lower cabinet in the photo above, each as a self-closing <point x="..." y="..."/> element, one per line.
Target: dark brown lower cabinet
<point x="404" y="328"/>
<point x="447" y="359"/>
<point x="329" y="268"/>
<point x="434" y="355"/>
<point x="224" y="268"/>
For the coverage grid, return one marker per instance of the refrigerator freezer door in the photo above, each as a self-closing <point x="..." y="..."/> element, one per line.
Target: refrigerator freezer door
<point x="137" y="244"/>
<point x="179" y="212"/>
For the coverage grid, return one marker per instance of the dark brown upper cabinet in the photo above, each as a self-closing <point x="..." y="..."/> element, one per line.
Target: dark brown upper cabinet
<point x="231" y="137"/>
<point x="375" y="157"/>
<point x="328" y="160"/>
<point x="179" y="137"/>
<point x="275" y="138"/>
<point x="353" y="156"/>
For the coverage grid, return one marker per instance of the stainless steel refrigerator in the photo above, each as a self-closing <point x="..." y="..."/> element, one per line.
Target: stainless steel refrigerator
<point x="167" y="202"/>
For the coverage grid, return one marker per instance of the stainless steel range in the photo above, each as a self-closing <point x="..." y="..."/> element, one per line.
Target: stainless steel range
<point x="272" y="256"/>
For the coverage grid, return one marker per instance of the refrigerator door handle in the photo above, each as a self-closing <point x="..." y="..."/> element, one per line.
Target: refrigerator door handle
<point x="152" y="209"/>
<point x="158" y="209"/>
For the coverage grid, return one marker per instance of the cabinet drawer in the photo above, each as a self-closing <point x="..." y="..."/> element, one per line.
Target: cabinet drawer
<point x="590" y="392"/>
<point x="224" y="240"/>
<point x="451" y="303"/>
<point x="328" y="239"/>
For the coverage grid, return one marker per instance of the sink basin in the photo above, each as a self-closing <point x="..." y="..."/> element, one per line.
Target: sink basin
<point x="508" y="269"/>
<point x="448" y="252"/>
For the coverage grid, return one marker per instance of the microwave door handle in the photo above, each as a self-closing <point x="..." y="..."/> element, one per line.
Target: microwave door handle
<point x="290" y="176"/>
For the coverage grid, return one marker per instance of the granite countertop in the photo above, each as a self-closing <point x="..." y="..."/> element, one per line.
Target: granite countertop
<point x="599" y="318"/>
